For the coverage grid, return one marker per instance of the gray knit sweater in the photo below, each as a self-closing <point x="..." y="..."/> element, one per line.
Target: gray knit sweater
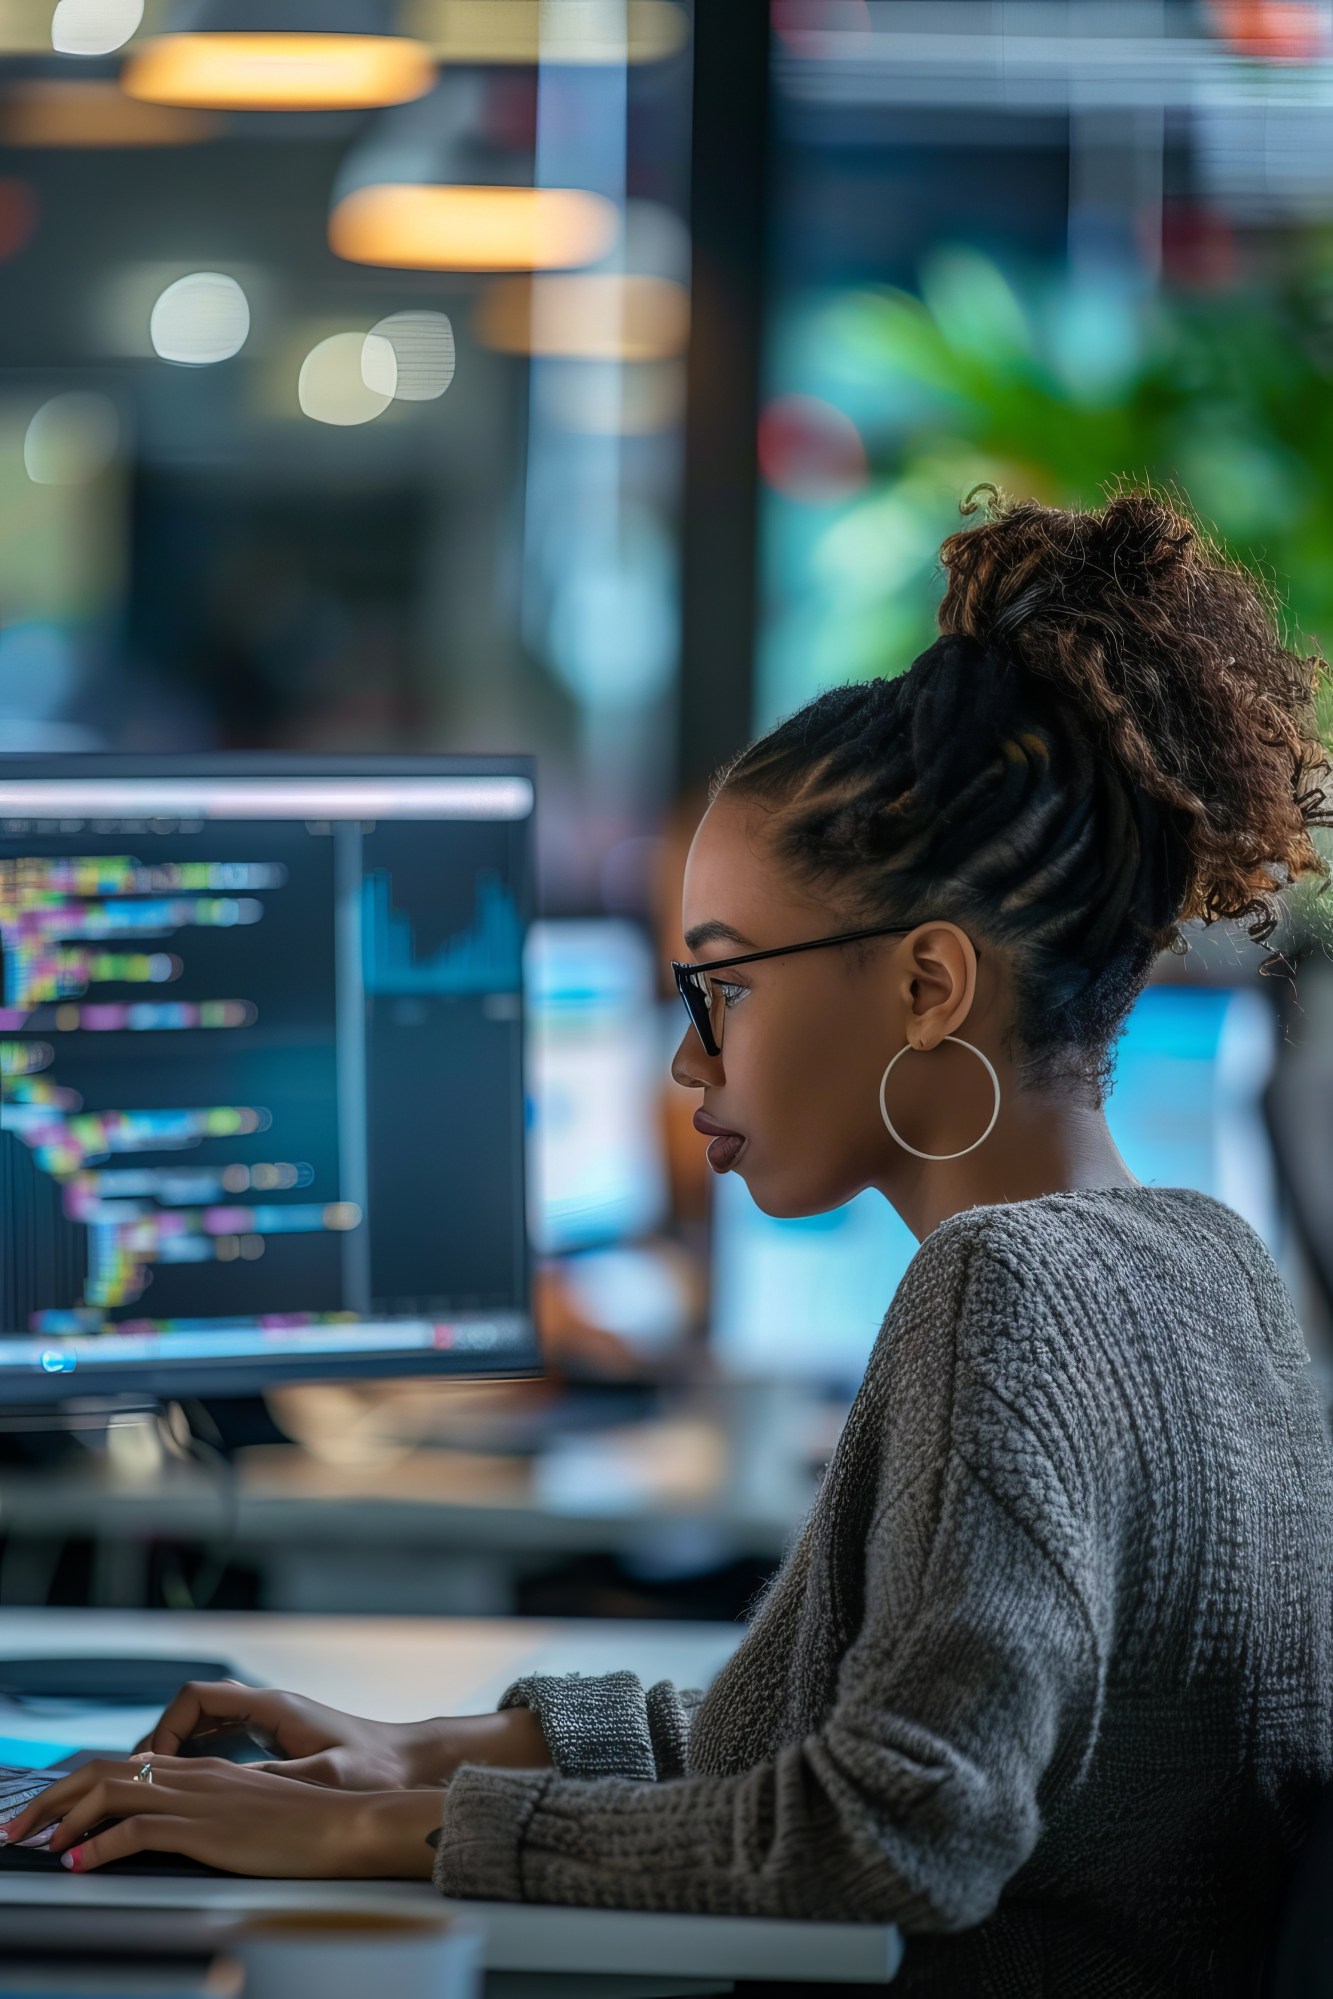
<point x="1047" y="1677"/>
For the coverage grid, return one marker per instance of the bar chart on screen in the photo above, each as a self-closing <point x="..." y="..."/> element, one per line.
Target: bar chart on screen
<point x="487" y="958"/>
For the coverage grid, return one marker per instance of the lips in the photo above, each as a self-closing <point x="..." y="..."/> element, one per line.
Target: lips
<point x="727" y="1145"/>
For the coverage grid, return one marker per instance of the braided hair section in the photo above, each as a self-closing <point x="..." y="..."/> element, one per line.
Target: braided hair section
<point x="1071" y="770"/>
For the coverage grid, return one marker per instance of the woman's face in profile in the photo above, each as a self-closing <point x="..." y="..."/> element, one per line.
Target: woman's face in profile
<point x="805" y="1038"/>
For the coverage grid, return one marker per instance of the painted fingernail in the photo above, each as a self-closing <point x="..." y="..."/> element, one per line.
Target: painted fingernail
<point x="73" y="1859"/>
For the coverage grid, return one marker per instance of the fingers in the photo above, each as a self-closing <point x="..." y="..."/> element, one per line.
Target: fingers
<point x="236" y="1819"/>
<point x="57" y="1798"/>
<point x="112" y="1799"/>
<point x="202" y="1702"/>
<point x="137" y="1835"/>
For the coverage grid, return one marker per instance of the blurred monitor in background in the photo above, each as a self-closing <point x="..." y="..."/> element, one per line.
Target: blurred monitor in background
<point x="596" y="1174"/>
<point x="804" y="1299"/>
<point x="1187" y="1106"/>
<point x="614" y="1295"/>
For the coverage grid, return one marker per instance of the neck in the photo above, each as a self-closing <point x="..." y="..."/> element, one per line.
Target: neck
<point x="1043" y="1144"/>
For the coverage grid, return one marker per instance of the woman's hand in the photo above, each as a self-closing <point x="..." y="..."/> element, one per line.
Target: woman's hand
<point x="317" y="1744"/>
<point x="236" y="1817"/>
<point x="320" y="1745"/>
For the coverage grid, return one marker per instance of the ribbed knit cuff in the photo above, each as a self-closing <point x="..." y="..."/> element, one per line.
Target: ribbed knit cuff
<point x="595" y="1725"/>
<point x="486" y="1813"/>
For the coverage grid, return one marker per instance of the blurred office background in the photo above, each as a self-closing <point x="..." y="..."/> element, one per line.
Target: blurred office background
<point x="304" y="446"/>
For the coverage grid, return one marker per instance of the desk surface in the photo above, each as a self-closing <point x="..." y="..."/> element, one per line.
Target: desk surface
<point x="393" y="1668"/>
<point x="402" y="1668"/>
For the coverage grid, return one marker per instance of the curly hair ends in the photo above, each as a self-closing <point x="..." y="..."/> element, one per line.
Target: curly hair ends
<point x="1170" y="654"/>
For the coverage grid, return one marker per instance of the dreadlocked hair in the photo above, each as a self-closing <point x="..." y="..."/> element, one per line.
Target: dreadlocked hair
<point x="1108" y="740"/>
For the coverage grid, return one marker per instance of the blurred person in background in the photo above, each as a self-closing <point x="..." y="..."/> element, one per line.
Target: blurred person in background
<point x="1047" y="1678"/>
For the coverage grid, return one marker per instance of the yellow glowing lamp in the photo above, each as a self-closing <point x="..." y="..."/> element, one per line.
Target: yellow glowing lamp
<point x="431" y="227"/>
<point x="247" y="71"/>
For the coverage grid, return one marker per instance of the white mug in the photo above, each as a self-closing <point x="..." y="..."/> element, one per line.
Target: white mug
<point x="339" y="1954"/>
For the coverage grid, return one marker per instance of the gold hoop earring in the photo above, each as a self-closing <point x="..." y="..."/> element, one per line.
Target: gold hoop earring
<point x="916" y="1154"/>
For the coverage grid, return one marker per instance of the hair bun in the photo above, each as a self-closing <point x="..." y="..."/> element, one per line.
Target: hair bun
<point x="1169" y="656"/>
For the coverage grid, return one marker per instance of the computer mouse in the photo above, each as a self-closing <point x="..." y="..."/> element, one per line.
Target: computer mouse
<point x="233" y="1743"/>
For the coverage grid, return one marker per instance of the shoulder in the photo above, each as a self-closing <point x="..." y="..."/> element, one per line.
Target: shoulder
<point x="1051" y="1306"/>
<point x="973" y="1320"/>
<point x="972" y="1263"/>
<point x="1140" y="1237"/>
<point x="978" y="1375"/>
<point x="1022" y="1299"/>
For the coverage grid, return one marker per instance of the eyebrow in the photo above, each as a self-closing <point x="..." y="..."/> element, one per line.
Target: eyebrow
<point x="714" y="932"/>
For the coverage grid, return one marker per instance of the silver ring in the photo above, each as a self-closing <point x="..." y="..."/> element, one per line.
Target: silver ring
<point x="144" y="1773"/>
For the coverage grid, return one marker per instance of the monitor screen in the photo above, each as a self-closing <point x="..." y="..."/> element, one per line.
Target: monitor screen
<point x="805" y="1298"/>
<point x="597" y="1172"/>
<point x="261" y="1047"/>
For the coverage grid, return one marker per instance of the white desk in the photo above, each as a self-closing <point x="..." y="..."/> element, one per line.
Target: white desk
<point x="403" y="1668"/>
<point x="394" y="1668"/>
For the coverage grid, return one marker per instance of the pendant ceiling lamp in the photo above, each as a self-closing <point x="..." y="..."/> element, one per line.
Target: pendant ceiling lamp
<point x="262" y="55"/>
<point x="427" y="191"/>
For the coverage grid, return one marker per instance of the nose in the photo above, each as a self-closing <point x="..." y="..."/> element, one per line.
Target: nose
<point x="691" y="1066"/>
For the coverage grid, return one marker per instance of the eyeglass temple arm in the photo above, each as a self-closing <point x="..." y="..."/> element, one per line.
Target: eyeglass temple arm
<point x="787" y="950"/>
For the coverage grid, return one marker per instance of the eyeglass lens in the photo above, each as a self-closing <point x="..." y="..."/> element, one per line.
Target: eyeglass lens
<point x="704" y="1004"/>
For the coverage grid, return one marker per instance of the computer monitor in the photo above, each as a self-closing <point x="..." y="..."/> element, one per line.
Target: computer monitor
<point x="804" y="1298"/>
<point x="1186" y="1107"/>
<point x="597" y="1171"/>
<point x="261" y="1046"/>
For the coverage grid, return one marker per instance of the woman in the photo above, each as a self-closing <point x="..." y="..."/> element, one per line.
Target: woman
<point x="1048" y="1677"/>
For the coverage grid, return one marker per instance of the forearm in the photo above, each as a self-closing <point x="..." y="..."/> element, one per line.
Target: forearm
<point x="390" y="1835"/>
<point x="914" y="1802"/>
<point x="510" y="1740"/>
<point x="584" y="1726"/>
<point x="767" y="1842"/>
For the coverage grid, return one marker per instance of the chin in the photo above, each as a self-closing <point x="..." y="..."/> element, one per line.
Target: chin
<point x="788" y="1201"/>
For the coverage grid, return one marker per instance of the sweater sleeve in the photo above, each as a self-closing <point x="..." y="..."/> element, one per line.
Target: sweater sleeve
<point x="968" y="1696"/>
<point x="607" y="1725"/>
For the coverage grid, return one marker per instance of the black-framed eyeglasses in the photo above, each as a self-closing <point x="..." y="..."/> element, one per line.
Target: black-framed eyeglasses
<point x="707" y="1006"/>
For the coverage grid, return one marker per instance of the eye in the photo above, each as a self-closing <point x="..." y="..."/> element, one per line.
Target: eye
<point x="732" y="995"/>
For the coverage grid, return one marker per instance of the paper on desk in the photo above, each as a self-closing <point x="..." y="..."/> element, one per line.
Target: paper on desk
<point x="19" y="1786"/>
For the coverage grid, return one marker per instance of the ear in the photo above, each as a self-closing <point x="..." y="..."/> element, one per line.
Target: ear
<point x="939" y="982"/>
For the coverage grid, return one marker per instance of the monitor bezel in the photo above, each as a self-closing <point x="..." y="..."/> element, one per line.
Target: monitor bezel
<point x="243" y="1375"/>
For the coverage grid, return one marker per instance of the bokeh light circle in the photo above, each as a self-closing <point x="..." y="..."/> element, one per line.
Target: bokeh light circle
<point x="810" y="450"/>
<point x="423" y="349"/>
<point x="348" y="379"/>
<point x="71" y="439"/>
<point x="94" y="27"/>
<point x="202" y="318"/>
